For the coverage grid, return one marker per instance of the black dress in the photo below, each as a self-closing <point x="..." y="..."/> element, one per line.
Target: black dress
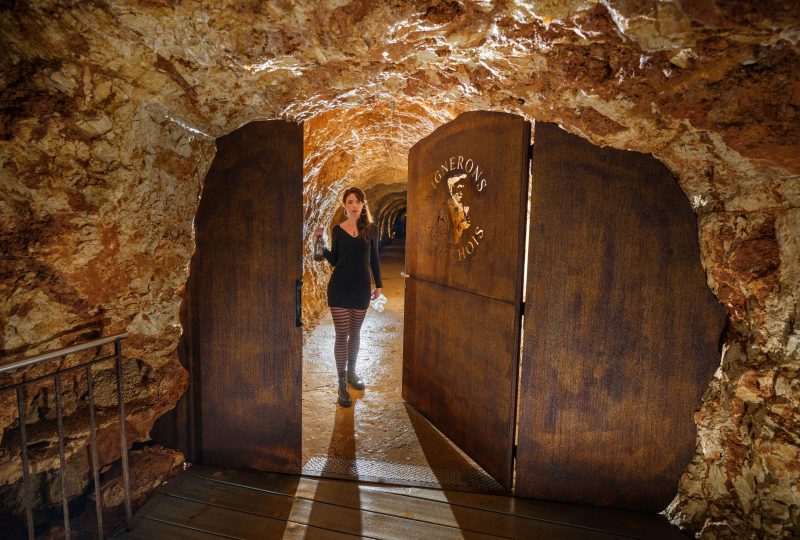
<point x="352" y="259"/>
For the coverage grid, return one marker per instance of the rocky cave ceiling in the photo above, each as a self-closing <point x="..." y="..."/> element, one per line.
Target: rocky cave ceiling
<point x="110" y="108"/>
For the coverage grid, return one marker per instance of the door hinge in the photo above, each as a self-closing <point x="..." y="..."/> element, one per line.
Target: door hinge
<point x="298" y="302"/>
<point x="514" y="452"/>
<point x="522" y="308"/>
<point x="530" y="152"/>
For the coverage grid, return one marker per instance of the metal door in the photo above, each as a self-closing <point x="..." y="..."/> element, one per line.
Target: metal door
<point x="467" y="194"/>
<point x="621" y="331"/>
<point x="242" y="342"/>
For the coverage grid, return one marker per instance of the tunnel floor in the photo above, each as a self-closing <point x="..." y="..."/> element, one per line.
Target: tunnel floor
<point x="379" y="438"/>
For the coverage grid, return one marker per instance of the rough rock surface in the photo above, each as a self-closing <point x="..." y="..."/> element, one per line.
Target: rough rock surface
<point x="109" y="110"/>
<point x="149" y="467"/>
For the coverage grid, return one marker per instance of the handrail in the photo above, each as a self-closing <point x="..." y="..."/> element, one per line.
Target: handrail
<point x="20" y="388"/>
<point x="49" y="355"/>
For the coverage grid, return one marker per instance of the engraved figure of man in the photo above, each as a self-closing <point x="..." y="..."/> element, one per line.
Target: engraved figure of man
<point x="459" y="218"/>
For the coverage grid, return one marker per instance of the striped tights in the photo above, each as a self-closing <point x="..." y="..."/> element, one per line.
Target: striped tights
<point x="347" y="323"/>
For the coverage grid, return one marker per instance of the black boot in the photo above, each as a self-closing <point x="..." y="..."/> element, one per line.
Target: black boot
<point x="354" y="380"/>
<point x="344" y="395"/>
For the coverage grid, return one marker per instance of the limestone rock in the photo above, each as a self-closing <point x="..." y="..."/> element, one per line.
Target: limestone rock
<point x="109" y="112"/>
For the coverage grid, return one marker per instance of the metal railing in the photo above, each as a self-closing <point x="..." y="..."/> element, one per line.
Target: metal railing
<point x="20" y="388"/>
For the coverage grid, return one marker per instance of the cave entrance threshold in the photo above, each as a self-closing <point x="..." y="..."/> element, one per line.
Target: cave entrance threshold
<point x="379" y="438"/>
<point x="562" y="389"/>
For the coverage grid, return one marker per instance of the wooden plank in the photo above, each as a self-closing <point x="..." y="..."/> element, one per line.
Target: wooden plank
<point x="214" y="519"/>
<point x="284" y="484"/>
<point x="299" y="531"/>
<point x="148" y="529"/>
<point x="622" y="522"/>
<point x="374" y="525"/>
<point x="337" y="510"/>
<point x="366" y="499"/>
<point x="621" y="330"/>
<point x="245" y="346"/>
<point x="467" y="194"/>
<point x="235" y="497"/>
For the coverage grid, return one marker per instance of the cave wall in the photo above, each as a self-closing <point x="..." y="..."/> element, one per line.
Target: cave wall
<point x="109" y="112"/>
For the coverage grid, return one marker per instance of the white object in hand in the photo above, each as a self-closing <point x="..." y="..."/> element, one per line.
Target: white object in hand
<point x="377" y="304"/>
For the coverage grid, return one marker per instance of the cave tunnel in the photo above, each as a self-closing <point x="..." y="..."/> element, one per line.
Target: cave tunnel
<point x="458" y="239"/>
<point x="536" y="172"/>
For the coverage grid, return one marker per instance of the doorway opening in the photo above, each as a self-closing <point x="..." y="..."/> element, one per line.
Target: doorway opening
<point x="379" y="438"/>
<point x="616" y="304"/>
<point x="613" y="266"/>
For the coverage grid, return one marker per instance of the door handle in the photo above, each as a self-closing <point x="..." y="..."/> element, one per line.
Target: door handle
<point x="298" y="302"/>
<point x="404" y="275"/>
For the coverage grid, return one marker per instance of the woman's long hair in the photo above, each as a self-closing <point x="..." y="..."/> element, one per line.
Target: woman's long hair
<point x="365" y="219"/>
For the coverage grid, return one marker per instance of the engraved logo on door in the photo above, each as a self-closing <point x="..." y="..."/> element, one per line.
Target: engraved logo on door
<point x="460" y="183"/>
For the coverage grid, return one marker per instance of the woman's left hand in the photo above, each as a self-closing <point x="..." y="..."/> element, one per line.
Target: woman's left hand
<point x="376" y="293"/>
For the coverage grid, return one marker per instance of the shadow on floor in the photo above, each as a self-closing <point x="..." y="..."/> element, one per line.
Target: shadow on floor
<point x="343" y="446"/>
<point x="384" y="445"/>
<point x="451" y="468"/>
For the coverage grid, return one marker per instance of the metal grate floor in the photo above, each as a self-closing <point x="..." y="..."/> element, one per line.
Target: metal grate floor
<point x="372" y="470"/>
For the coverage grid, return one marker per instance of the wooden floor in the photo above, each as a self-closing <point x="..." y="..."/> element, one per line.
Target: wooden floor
<point x="208" y="502"/>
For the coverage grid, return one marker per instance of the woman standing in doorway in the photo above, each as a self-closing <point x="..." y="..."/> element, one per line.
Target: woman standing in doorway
<point x="353" y="253"/>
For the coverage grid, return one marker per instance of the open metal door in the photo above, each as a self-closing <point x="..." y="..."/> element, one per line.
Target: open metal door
<point x="242" y="340"/>
<point x="467" y="194"/>
<point x="621" y="331"/>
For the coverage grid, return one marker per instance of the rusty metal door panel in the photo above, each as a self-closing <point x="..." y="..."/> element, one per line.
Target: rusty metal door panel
<point x="621" y="331"/>
<point x="467" y="196"/>
<point x="246" y="347"/>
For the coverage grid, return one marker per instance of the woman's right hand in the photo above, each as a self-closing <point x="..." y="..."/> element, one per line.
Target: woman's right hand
<point x="318" y="232"/>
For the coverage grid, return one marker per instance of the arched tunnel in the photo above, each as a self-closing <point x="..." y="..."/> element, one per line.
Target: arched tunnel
<point x="158" y="155"/>
<point x="390" y="211"/>
<point x="438" y="266"/>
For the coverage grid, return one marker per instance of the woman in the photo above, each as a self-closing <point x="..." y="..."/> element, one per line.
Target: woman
<point x="354" y="251"/>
